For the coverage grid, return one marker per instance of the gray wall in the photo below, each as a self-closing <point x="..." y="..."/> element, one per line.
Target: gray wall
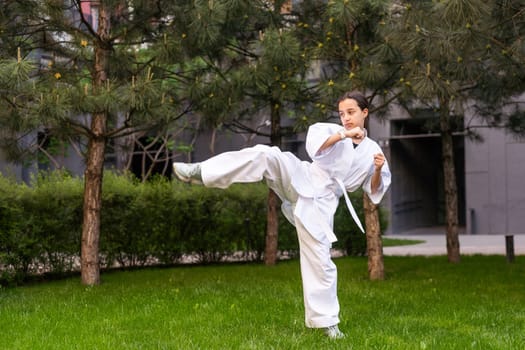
<point x="495" y="170"/>
<point x="416" y="197"/>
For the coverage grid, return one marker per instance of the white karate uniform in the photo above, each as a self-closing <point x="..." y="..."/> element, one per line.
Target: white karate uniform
<point x="310" y="193"/>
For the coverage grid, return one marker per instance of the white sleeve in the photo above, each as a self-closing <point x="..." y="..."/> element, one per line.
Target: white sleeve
<point x="386" y="179"/>
<point x="317" y="135"/>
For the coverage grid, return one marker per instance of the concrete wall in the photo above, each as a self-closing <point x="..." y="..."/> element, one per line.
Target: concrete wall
<point x="416" y="197"/>
<point x="495" y="170"/>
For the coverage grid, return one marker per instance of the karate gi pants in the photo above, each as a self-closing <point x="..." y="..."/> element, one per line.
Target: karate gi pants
<point x="318" y="271"/>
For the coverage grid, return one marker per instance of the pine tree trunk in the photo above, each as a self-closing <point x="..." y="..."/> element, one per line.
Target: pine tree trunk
<point x="89" y="256"/>
<point x="272" y="226"/>
<point x="90" y="267"/>
<point x="451" y="198"/>
<point x="272" y="229"/>
<point x="374" y="244"/>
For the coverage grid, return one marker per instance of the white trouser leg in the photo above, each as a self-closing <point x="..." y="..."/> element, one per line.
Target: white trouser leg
<point x="319" y="275"/>
<point x="253" y="164"/>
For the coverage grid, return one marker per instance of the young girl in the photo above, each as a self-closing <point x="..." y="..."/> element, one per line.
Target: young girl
<point x="343" y="159"/>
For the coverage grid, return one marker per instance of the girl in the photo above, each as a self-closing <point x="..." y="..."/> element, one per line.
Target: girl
<point x="343" y="159"/>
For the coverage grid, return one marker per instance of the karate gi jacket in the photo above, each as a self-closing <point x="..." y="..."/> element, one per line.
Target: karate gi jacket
<point x="332" y="172"/>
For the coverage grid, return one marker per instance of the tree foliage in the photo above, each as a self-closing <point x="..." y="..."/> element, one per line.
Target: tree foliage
<point x="460" y="50"/>
<point x="152" y="67"/>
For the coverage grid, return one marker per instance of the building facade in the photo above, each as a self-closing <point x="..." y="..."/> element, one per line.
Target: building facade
<point x="489" y="171"/>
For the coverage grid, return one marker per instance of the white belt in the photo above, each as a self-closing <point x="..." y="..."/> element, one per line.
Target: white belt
<point x="349" y="205"/>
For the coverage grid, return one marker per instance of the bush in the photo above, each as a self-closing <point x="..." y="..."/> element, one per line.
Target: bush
<point x="53" y="216"/>
<point x="120" y="236"/>
<point x="160" y="222"/>
<point x="39" y="225"/>
<point x="16" y="248"/>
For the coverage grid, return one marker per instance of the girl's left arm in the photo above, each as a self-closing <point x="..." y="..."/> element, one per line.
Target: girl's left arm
<point x="375" y="183"/>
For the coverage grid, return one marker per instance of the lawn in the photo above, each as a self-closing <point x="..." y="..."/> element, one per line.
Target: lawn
<point x="425" y="303"/>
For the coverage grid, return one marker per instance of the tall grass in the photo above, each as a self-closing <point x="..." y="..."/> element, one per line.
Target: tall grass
<point x="425" y="303"/>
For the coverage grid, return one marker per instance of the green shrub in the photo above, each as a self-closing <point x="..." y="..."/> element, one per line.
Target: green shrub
<point x="159" y="221"/>
<point x="53" y="216"/>
<point x="154" y="206"/>
<point x="16" y="248"/>
<point x="119" y="234"/>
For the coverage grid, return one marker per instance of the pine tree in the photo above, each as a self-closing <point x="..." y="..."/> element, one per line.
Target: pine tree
<point x="143" y="66"/>
<point x="446" y="60"/>
<point x="135" y="67"/>
<point x="347" y="42"/>
<point x="503" y="79"/>
<point x="299" y="61"/>
<point x="265" y="73"/>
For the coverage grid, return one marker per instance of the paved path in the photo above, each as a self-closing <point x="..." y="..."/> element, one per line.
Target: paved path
<point x="435" y="244"/>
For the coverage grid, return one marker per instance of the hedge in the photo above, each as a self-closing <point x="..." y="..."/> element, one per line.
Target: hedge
<point x="157" y="222"/>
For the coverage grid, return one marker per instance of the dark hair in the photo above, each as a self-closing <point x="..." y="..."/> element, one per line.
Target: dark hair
<point x="358" y="97"/>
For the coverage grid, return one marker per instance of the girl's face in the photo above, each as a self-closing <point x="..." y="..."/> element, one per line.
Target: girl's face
<point x="351" y="115"/>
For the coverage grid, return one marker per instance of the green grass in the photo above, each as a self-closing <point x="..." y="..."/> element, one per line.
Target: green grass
<point x="425" y="303"/>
